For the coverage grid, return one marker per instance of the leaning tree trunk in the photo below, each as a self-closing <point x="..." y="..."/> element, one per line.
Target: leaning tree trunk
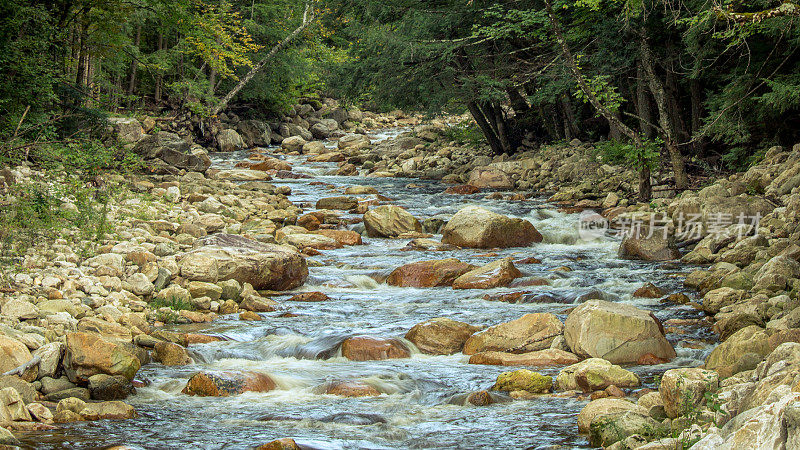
<point x="308" y="18"/>
<point x="645" y="188"/>
<point x="657" y="89"/>
<point x="486" y="127"/>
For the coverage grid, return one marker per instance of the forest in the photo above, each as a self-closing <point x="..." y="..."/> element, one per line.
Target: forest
<point x="696" y="85"/>
<point x="400" y="224"/>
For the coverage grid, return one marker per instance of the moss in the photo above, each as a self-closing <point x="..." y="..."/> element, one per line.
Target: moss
<point x="524" y="380"/>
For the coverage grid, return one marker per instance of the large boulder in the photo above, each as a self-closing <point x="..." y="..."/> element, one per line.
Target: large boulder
<point x="222" y="257"/>
<point x="776" y="273"/>
<point x="529" y="333"/>
<point x="440" y="336"/>
<point x="88" y="354"/>
<point x="293" y="144"/>
<point x="490" y="177"/>
<point x="605" y="406"/>
<point x="254" y="133"/>
<point x="362" y="348"/>
<point x="616" y="332"/>
<point x="172" y="149"/>
<point x="684" y="390"/>
<point x="652" y="248"/>
<point x="353" y="142"/>
<point x="608" y="429"/>
<point x="13" y="354"/>
<point x="595" y="374"/>
<point x="477" y="227"/>
<point x="224" y="384"/>
<point x="390" y="221"/>
<point x="127" y="130"/>
<point x="438" y="272"/>
<point x="495" y="274"/>
<point x="229" y="140"/>
<point x="748" y="344"/>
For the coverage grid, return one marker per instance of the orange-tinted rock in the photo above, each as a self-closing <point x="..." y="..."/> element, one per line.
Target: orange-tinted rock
<point x="370" y="349"/>
<point x="529" y="333"/>
<point x="249" y="315"/>
<point x="309" y="297"/>
<point x="529" y="260"/>
<point x="223" y="384"/>
<point x="195" y="338"/>
<point x="271" y="164"/>
<point x="351" y="389"/>
<point x="549" y="357"/>
<point x="309" y="221"/>
<point x="343" y="237"/>
<point x="511" y="297"/>
<point x="649" y="290"/>
<point x="462" y="189"/>
<point x="480" y="398"/>
<point x="650" y="359"/>
<point x="495" y="274"/>
<point x="280" y="444"/>
<point x="440" y="336"/>
<point x="440" y="272"/>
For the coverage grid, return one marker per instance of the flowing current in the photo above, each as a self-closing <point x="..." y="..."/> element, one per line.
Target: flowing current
<point x="413" y="411"/>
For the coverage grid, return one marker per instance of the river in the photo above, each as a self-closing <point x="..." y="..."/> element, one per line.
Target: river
<point x="413" y="410"/>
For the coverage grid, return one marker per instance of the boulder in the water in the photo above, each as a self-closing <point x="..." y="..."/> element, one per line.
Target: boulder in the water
<point x="223" y="384"/>
<point x="477" y="227"/>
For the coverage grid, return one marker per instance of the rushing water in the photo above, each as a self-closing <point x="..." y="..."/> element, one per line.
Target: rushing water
<point x="412" y="412"/>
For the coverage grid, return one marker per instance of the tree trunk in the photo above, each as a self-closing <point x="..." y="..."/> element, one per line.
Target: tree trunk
<point x="134" y="65"/>
<point x="657" y="89"/>
<point x="697" y="114"/>
<point x="643" y="109"/>
<point x="518" y="102"/>
<point x="487" y="129"/>
<point x="159" y="76"/>
<point x="308" y="18"/>
<point x="645" y="192"/>
<point x="570" y="123"/>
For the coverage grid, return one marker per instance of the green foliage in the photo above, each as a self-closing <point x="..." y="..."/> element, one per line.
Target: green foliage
<point x="602" y="89"/>
<point x="38" y="211"/>
<point x="464" y="133"/>
<point x="625" y="153"/>
<point x="174" y="303"/>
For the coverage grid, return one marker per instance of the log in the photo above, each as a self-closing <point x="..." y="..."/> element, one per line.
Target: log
<point x="23" y="368"/>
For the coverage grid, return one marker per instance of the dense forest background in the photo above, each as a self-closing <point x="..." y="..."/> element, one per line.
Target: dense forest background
<point x="699" y="85"/>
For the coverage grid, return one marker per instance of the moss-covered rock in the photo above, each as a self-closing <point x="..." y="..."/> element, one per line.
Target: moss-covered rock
<point x="524" y="380"/>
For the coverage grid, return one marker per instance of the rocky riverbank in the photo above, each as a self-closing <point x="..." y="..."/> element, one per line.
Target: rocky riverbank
<point x="190" y="243"/>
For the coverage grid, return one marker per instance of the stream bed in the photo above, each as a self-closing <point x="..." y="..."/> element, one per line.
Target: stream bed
<point x="413" y="410"/>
